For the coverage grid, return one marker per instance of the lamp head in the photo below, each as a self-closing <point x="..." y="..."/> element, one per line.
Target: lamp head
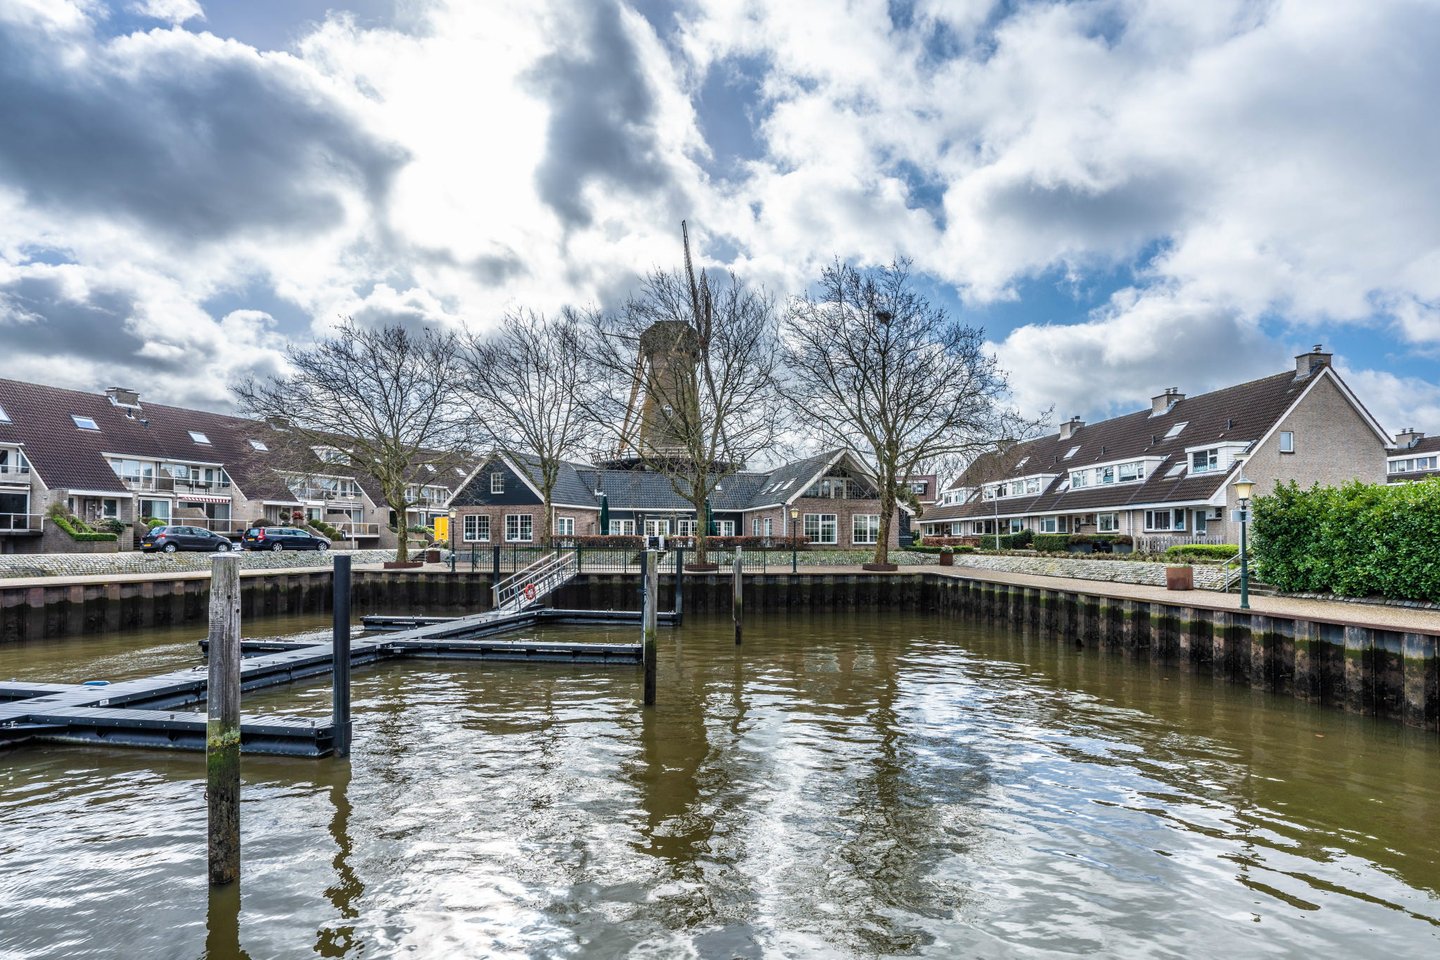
<point x="794" y="513"/>
<point x="1242" y="487"/>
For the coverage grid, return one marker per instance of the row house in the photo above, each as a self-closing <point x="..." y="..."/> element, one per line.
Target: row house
<point x="1163" y="475"/>
<point x="109" y="456"/>
<point x="831" y="497"/>
<point x="1415" y="457"/>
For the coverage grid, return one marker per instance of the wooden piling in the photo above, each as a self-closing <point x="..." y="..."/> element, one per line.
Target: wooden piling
<point x="340" y="647"/>
<point x="650" y="619"/>
<point x="222" y="733"/>
<point x="738" y="603"/>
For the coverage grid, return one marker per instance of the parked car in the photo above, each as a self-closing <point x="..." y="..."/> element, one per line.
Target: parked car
<point x="282" y="538"/>
<point x="173" y="538"/>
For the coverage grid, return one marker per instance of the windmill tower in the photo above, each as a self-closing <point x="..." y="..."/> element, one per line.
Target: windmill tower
<point x="664" y="391"/>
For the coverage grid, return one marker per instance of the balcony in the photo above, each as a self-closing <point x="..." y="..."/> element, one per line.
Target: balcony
<point x="358" y="531"/>
<point x="22" y="524"/>
<point x="167" y="484"/>
<point x="15" y="476"/>
<point x="325" y="494"/>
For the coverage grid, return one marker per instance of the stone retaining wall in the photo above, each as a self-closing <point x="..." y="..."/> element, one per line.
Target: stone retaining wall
<point x="1207" y="577"/>
<point x="91" y="565"/>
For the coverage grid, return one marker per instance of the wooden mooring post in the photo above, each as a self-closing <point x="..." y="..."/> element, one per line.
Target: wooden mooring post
<point x="737" y="607"/>
<point x="340" y="645"/>
<point x="222" y="728"/>
<point x="649" y="621"/>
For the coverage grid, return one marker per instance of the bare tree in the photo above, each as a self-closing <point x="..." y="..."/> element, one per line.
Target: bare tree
<point x="877" y="369"/>
<point x="387" y="397"/>
<point x="684" y="381"/>
<point x="522" y="381"/>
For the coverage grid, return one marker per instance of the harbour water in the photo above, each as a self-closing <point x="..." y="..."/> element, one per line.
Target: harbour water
<point x="866" y="785"/>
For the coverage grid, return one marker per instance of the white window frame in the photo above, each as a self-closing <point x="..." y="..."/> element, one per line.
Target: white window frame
<point x="524" y="525"/>
<point x="1174" y="512"/>
<point x="84" y="423"/>
<point x="476" y="528"/>
<point x="769" y="527"/>
<point x="1212" y="460"/>
<point x="4" y="417"/>
<point x="724" y="528"/>
<point x="1049" y="524"/>
<point x="1287" y="441"/>
<point x="1107" y="523"/>
<point x="685" y="528"/>
<point x="564" y="526"/>
<point x="822" y="523"/>
<point x="497" y="482"/>
<point x="622" y="528"/>
<point x="870" y="534"/>
<point x="657" y="528"/>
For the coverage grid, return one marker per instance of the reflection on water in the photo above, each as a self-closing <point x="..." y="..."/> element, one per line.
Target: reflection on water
<point x="857" y="786"/>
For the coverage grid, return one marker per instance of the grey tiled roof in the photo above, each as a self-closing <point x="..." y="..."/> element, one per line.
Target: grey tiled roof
<point x="571" y="489"/>
<point x="1243" y="413"/>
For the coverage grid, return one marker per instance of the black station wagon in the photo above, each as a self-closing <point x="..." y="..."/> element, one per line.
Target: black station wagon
<point x="172" y="538"/>
<point x="282" y="538"/>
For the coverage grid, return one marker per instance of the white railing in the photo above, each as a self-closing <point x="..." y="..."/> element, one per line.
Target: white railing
<point x="19" y="521"/>
<point x="536" y="581"/>
<point x="167" y="484"/>
<point x="218" y="526"/>
<point x="10" y="473"/>
<point x="354" y="530"/>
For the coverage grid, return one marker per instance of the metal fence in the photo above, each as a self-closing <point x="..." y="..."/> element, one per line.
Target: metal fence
<point x="505" y="559"/>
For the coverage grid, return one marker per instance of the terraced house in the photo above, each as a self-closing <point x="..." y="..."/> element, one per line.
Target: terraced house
<point x="1163" y="475"/>
<point x="828" y="499"/>
<point x="110" y="457"/>
<point x="1415" y="457"/>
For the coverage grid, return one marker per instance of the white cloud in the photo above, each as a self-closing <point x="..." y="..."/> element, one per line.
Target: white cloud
<point x="171" y="11"/>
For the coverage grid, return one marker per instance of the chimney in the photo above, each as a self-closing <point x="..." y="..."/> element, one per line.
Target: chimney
<point x="1165" y="401"/>
<point x="1408" y="437"/>
<point x="1308" y="363"/>
<point x="1069" y="427"/>
<point x="122" y="397"/>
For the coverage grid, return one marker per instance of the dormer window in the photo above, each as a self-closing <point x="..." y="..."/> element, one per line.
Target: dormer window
<point x="1174" y="431"/>
<point x="4" y="417"/>
<point x="1205" y="461"/>
<point x="84" y="423"/>
<point x="330" y="454"/>
<point x="497" y="482"/>
<point x="199" y="437"/>
<point x="259" y="445"/>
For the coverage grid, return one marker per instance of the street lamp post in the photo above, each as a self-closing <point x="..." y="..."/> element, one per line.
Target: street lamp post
<point x="453" y="539"/>
<point x="1243" y="488"/>
<point x="794" y="518"/>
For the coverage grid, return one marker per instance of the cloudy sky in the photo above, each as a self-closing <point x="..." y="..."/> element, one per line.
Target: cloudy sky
<point x="1126" y="194"/>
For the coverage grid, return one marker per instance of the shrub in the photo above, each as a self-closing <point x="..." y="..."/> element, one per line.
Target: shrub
<point x="618" y="542"/>
<point x="948" y="541"/>
<point x="1052" y="542"/>
<point x="154" y="522"/>
<point x="1010" y="541"/>
<point x="78" y="530"/>
<point x="744" y="543"/>
<point x="1356" y="540"/>
<point x="1202" y="551"/>
<point x="326" y="529"/>
<point x="112" y="525"/>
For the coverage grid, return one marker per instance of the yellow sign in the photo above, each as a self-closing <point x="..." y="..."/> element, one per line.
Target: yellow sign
<point x="442" y="529"/>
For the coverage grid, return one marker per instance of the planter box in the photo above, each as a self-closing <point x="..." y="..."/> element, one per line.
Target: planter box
<point x="1079" y="548"/>
<point x="947" y="559"/>
<point x="880" y="567"/>
<point x="1179" y="578"/>
<point x="403" y="564"/>
<point x="432" y="556"/>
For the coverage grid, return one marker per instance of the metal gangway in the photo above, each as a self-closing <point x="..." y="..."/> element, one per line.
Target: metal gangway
<point x="535" y="582"/>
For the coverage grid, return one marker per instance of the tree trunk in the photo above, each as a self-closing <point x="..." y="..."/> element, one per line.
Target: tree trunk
<point x="702" y="531"/>
<point x="887" y="511"/>
<point x="402" y="529"/>
<point x="547" y="517"/>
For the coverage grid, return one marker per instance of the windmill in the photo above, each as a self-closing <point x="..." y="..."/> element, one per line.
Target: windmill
<point x="664" y="402"/>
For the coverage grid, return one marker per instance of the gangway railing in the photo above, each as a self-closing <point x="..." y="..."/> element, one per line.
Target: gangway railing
<point x="544" y="576"/>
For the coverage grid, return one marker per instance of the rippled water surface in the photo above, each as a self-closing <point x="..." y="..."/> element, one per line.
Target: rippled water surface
<point x="856" y="786"/>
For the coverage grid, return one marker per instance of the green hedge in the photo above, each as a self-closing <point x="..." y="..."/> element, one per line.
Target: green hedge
<point x="1359" y="540"/>
<point x="1052" y="542"/>
<point x="1203" y="551"/>
<point x="920" y="548"/>
<point x="82" y="533"/>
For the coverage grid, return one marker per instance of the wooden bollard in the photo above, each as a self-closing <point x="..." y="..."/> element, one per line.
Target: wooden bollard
<point x="738" y="603"/>
<point x="340" y="656"/>
<point x="222" y="728"/>
<point x="648" y="623"/>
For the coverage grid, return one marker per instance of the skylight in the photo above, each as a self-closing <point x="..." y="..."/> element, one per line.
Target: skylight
<point x="4" y="417"/>
<point x="1176" y="470"/>
<point x="1175" y="430"/>
<point x="460" y="471"/>
<point x="1071" y="452"/>
<point x="199" y="437"/>
<point x="84" y="423"/>
<point x="430" y="467"/>
<point x="1025" y="460"/>
<point x="258" y="444"/>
